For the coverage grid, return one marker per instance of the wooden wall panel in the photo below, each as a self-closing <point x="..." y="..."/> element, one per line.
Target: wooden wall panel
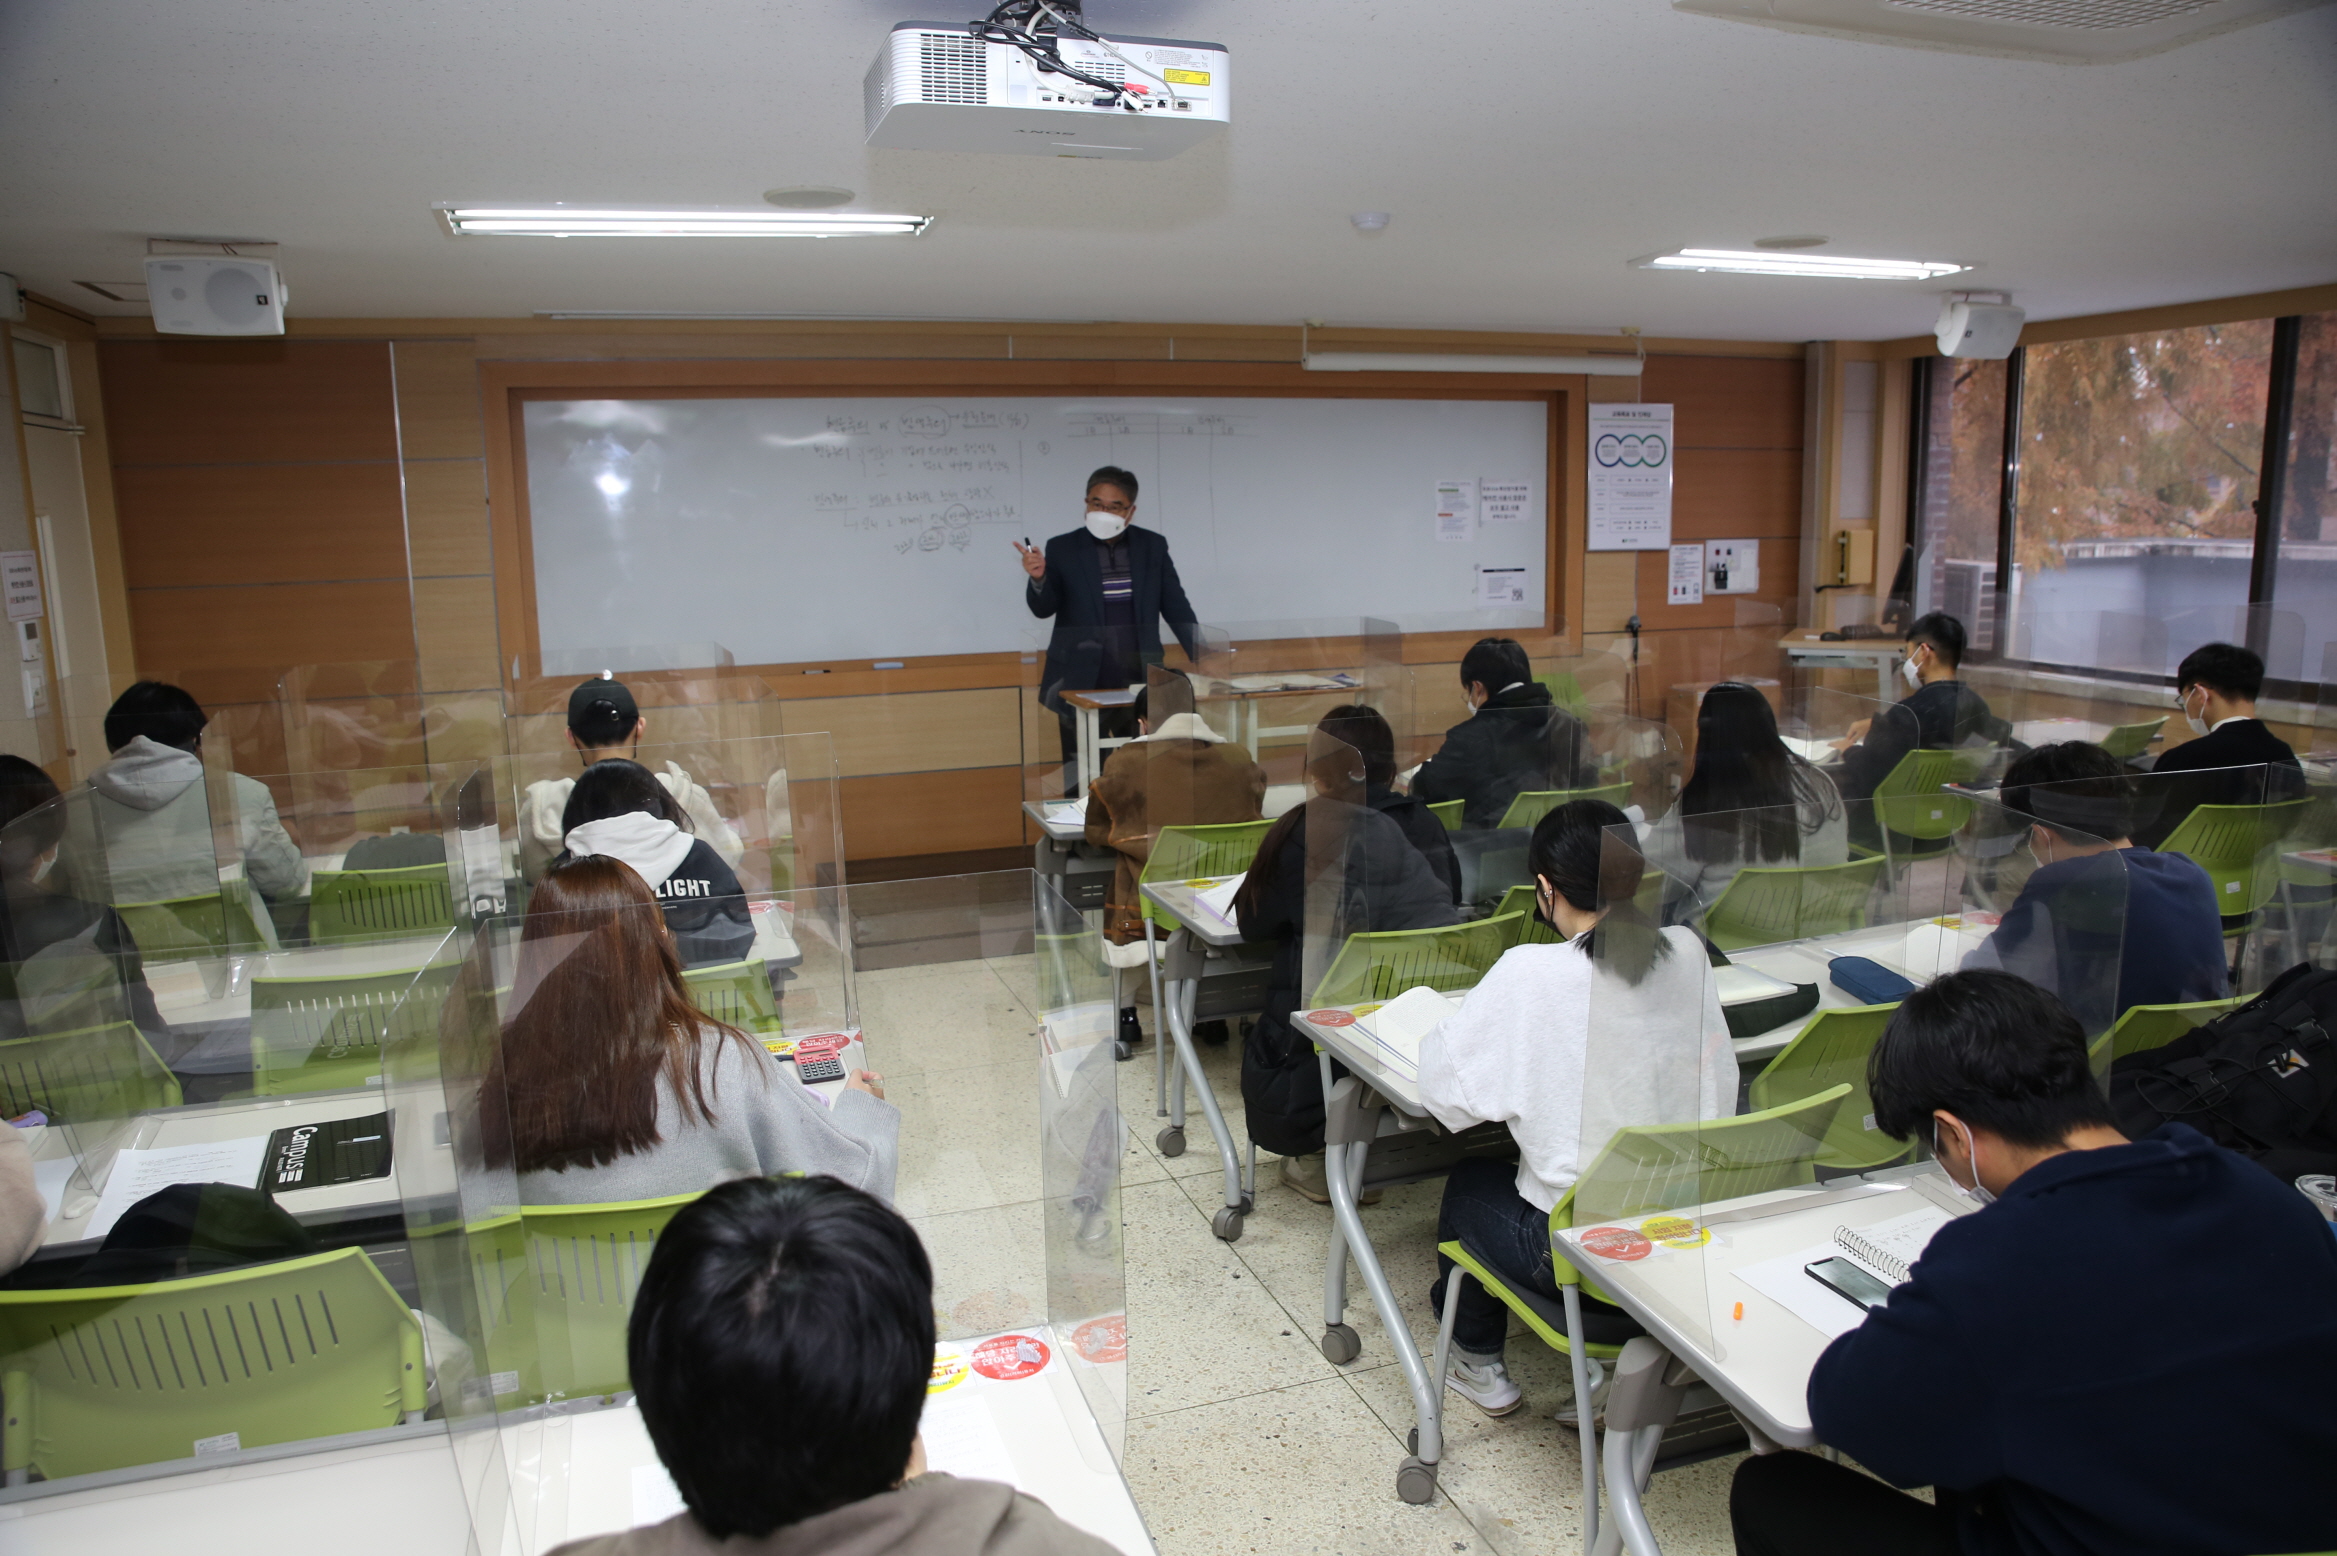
<point x="272" y="626"/>
<point x="1728" y="402"/>
<point x="891" y="814"/>
<point x="454" y="622"/>
<point x="915" y="732"/>
<point x="183" y="402"/>
<point x="446" y="518"/>
<point x="1727" y="494"/>
<point x="185" y="525"/>
<point x="438" y="400"/>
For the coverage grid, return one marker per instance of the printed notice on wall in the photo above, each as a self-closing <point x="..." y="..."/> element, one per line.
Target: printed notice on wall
<point x="1504" y="502"/>
<point x="20" y="581"/>
<point x="1687" y="575"/>
<point x="1501" y="588"/>
<point x="1456" y="510"/>
<point x="1630" y="477"/>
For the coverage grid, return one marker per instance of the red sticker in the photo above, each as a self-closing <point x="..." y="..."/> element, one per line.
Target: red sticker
<point x="1608" y="1242"/>
<point x="1331" y="1018"/>
<point x="1102" y="1340"/>
<point x="1007" y="1357"/>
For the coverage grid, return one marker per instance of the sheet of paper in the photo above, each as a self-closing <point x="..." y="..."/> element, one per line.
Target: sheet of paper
<point x="1068" y="810"/>
<point x="1810" y="750"/>
<point x="655" y="1497"/>
<point x="138" y="1173"/>
<point x="1504" y="502"/>
<point x="1456" y="509"/>
<point x="962" y="1436"/>
<point x="1631" y="478"/>
<point x="1737" y="985"/>
<point x="1398" y="1028"/>
<point x="1501" y="588"/>
<point x="1787" y="1279"/>
<point x="50" y="1177"/>
<point x="1687" y="575"/>
<point x="1111" y="699"/>
<point x="1218" y="899"/>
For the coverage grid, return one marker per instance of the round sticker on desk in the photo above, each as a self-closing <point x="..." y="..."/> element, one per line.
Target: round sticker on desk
<point x="1007" y="1357"/>
<point x="1675" y="1231"/>
<point x="1331" y="1018"/>
<point x="1616" y="1242"/>
<point x="949" y="1370"/>
<point x="1102" y="1340"/>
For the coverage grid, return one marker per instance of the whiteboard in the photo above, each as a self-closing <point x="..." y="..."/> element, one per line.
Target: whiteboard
<point x="789" y="529"/>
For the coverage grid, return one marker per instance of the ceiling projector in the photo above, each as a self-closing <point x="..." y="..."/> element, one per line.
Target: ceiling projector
<point x="951" y="86"/>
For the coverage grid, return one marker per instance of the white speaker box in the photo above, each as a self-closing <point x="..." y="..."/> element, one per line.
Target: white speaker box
<point x="1985" y="331"/>
<point x="215" y="296"/>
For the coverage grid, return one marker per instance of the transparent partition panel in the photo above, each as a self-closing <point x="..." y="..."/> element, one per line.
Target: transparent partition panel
<point x="1765" y="874"/>
<point x="1362" y="877"/>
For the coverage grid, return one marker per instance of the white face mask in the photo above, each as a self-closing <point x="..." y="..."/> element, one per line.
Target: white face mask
<point x="1908" y="673"/>
<point x="2198" y="725"/>
<point x="1105" y="526"/>
<point x="1978" y="1192"/>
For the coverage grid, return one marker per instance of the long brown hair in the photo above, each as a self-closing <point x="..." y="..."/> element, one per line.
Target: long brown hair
<point x="599" y="1011"/>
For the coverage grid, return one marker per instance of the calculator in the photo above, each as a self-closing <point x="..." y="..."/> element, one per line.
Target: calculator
<point x="811" y="1069"/>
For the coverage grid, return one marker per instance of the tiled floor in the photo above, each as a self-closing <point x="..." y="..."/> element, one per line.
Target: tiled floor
<point x="1240" y="1436"/>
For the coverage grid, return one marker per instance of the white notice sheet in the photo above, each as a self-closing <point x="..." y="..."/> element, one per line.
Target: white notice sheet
<point x="1630" y="477"/>
<point x="138" y="1173"/>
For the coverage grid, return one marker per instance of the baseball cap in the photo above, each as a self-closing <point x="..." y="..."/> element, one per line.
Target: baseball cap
<point x="601" y="712"/>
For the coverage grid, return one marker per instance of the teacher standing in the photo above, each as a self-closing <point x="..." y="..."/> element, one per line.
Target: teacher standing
<point x="1108" y="586"/>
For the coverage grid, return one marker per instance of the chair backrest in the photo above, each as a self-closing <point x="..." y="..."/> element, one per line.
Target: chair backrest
<point x="1647" y="1168"/>
<point x="378" y="904"/>
<point x="1448" y="812"/>
<point x="85" y="1076"/>
<point x="1565" y="690"/>
<point x="584" y="1265"/>
<point x="1831" y="1051"/>
<point x="324" y="1034"/>
<point x="2144" y="1027"/>
<point x="112" y="1376"/>
<point x="1531" y="930"/>
<point x="2235" y="845"/>
<point x="178" y="929"/>
<point x="1910" y="799"/>
<point x="1194" y="853"/>
<point x="1532" y="805"/>
<point x="2125" y="740"/>
<point x="1382" y="965"/>
<point x="736" y="992"/>
<point x="1766" y="904"/>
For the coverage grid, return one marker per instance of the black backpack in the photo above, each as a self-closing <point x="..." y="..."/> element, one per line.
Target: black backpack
<point x="2260" y="1080"/>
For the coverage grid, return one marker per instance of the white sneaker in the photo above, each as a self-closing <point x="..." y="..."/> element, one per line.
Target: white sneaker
<point x="1490" y="1387"/>
<point x="1567" y="1414"/>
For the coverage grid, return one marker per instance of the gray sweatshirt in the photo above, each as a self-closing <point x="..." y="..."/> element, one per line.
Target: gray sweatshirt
<point x="154" y="828"/>
<point x="933" y="1515"/>
<point x="765" y="1121"/>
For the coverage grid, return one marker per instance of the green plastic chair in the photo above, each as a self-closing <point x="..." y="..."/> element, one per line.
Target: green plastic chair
<point x="1531" y="806"/>
<point x="584" y="1264"/>
<point x="738" y="993"/>
<point x="1566" y="691"/>
<point x="179" y="929"/>
<point x="85" y="1076"/>
<point x="347" y="905"/>
<point x="327" y="1034"/>
<point x="1826" y="1055"/>
<point x="2131" y="740"/>
<point x="2144" y="1027"/>
<point x="109" y="1377"/>
<point x="2237" y="846"/>
<point x="1910" y="803"/>
<point x="1381" y="965"/>
<point x="1766" y="904"/>
<point x="1448" y="812"/>
<point x="1194" y="853"/>
<point x="1532" y="931"/>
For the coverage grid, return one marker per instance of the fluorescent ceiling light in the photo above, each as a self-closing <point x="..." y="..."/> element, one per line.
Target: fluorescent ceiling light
<point x="1752" y="262"/>
<point x="1427" y="362"/>
<point x="567" y="221"/>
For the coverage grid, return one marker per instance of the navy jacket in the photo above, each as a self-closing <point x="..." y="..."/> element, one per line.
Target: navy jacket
<point x="2141" y="926"/>
<point x="1520" y="741"/>
<point x="1939" y="716"/>
<point x="1073" y="593"/>
<point x="2134" y="1351"/>
<point x="2244" y="744"/>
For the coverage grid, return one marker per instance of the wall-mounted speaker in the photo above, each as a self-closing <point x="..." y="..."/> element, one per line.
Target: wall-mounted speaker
<point x="215" y="296"/>
<point x="1983" y="331"/>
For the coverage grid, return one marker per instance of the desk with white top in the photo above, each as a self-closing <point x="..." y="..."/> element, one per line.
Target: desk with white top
<point x="1244" y="707"/>
<point x="1881" y="656"/>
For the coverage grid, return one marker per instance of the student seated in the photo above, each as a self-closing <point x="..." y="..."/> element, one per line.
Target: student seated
<point x="620" y="809"/>
<point x="2132" y="1348"/>
<point x="611" y="1085"/>
<point x="1940" y="713"/>
<point x="780" y="1346"/>
<point x="603" y="722"/>
<point x="2103" y="924"/>
<point x="1518" y="1052"/>
<point x="1360" y="873"/>
<point x="2216" y="687"/>
<point x="70" y="963"/>
<point x="154" y="817"/>
<point x="1364" y="728"/>
<point x="1515" y="740"/>
<point x="1742" y="766"/>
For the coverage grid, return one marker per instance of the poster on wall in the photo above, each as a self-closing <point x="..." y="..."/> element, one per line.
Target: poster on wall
<point x="1630" y="477"/>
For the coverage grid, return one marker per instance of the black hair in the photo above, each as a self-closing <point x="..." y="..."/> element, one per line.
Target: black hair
<point x="618" y="787"/>
<point x="602" y="722"/>
<point x="1992" y="1048"/>
<point x="1176" y="695"/>
<point x="1113" y="475"/>
<point x="780" y="1345"/>
<point x="1494" y="663"/>
<point x="164" y="714"/>
<point x="1595" y="866"/>
<point x="1363" y="727"/>
<point x="1748" y="781"/>
<point x="2223" y="667"/>
<point x="1943" y="632"/>
<point x="2076" y="789"/>
<point x="27" y="792"/>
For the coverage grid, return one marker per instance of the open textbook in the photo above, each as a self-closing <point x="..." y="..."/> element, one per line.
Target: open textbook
<point x="1396" y="1030"/>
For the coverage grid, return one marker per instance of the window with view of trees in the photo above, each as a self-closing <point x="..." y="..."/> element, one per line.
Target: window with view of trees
<point x="2306" y="583"/>
<point x="1962" y="479"/>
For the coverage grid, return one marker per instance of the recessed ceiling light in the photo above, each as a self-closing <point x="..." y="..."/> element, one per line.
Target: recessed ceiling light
<point x="571" y="221"/>
<point x="1839" y="266"/>
<point x="807" y="197"/>
<point x="1807" y="241"/>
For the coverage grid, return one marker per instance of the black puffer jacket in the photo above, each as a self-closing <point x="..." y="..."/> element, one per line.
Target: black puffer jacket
<point x="1422" y="830"/>
<point x="1519" y="741"/>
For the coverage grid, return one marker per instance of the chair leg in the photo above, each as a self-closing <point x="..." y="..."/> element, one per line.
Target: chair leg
<point x="1444" y="1328"/>
<point x="1582" y="1416"/>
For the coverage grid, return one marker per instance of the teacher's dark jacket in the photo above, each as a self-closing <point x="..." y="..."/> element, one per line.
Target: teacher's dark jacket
<point x="1073" y="593"/>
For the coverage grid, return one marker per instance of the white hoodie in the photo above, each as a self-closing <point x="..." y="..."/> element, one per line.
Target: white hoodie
<point x="154" y="827"/>
<point x="652" y="845"/>
<point x="546" y="801"/>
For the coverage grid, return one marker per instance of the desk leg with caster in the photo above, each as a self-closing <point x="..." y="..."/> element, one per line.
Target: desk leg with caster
<point x="1175" y="1013"/>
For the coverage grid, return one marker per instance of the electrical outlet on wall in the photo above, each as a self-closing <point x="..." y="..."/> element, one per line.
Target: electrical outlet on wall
<point x="1732" y="567"/>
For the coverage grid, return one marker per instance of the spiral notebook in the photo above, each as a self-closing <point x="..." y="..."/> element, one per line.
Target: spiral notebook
<point x="1890" y="1248"/>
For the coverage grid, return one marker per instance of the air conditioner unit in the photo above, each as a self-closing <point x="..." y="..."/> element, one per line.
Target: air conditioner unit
<point x="937" y="87"/>
<point x="192" y="296"/>
<point x="2070" y="31"/>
